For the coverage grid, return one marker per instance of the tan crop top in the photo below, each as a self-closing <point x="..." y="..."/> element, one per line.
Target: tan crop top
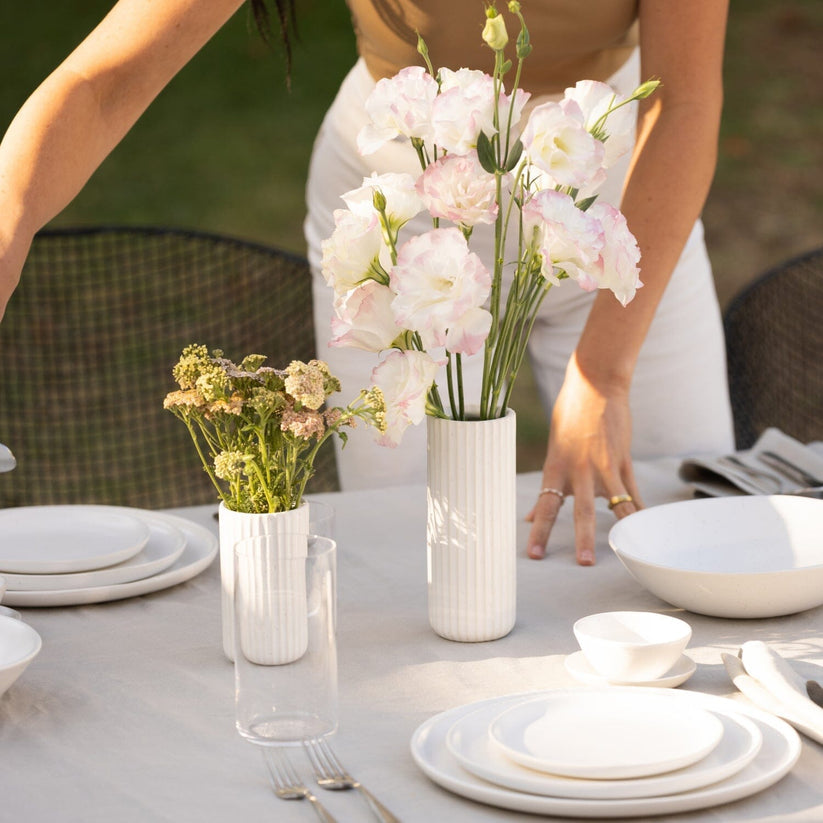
<point x="572" y="39"/>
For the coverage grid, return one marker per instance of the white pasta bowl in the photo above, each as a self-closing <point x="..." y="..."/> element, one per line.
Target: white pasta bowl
<point x="19" y="645"/>
<point x="743" y="556"/>
<point x="632" y="646"/>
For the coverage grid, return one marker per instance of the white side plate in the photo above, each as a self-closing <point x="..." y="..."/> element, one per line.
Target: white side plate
<point x="58" y="539"/>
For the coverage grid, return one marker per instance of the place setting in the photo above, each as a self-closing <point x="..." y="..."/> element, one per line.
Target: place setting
<point x="610" y="750"/>
<point x="65" y="555"/>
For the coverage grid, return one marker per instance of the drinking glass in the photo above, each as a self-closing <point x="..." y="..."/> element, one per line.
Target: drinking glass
<point x="285" y="656"/>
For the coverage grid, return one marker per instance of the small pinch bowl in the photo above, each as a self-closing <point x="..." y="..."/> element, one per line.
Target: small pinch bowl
<point x="632" y="646"/>
<point x="19" y="645"/>
<point x="747" y="556"/>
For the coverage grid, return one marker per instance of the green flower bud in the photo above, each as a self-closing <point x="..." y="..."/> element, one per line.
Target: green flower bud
<point x="494" y="32"/>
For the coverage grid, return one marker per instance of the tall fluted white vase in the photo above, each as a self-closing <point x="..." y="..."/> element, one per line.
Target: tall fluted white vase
<point x="235" y="526"/>
<point x="472" y="527"/>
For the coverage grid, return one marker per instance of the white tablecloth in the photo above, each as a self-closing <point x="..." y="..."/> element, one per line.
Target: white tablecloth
<point x="127" y="713"/>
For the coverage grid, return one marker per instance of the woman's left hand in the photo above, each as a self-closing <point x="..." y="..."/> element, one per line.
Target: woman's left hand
<point x="589" y="456"/>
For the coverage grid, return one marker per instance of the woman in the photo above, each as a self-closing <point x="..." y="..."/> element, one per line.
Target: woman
<point x="657" y="365"/>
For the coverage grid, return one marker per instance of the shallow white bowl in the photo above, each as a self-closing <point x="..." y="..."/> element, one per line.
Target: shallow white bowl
<point x="19" y="645"/>
<point x="632" y="646"/>
<point x="752" y="556"/>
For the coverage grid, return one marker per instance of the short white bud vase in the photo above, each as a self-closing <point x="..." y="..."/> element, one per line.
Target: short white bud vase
<point x="472" y="527"/>
<point x="235" y="526"/>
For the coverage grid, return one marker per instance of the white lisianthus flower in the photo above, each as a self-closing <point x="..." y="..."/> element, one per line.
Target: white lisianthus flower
<point x="399" y="105"/>
<point x="457" y="188"/>
<point x="351" y="251"/>
<point x="568" y="239"/>
<point x="405" y="378"/>
<point x="595" y="99"/>
<point x="469" y="333"/>
<point x="402" y="199"/>
<point x="557" y="142"/>
<point x="619" y="258"/>
<point x="437" y="280"/>
<point x="464" y="108"/>
<point x="364" y="318"/>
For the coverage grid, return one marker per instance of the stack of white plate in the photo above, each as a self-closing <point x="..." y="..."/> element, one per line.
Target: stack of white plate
<point x="73" y="555"/>
<point x="605" y="752"/>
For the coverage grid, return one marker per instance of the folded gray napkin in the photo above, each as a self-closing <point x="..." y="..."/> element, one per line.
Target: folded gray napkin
<point x="776" y="464"/>
<point x="770" y="682"/>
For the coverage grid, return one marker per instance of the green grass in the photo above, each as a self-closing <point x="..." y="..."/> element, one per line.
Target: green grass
<point x="225" y="147"/>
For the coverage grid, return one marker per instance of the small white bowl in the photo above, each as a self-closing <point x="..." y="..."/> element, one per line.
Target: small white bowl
<point x="743" y="556"/>
<point x="19" y="645"/>
<point x="632" y="646"/>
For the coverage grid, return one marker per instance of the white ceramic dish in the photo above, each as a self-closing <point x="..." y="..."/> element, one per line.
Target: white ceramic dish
<point x="777" y="756"/>
<point x="631" y="645"/>
<point x="2" y="587"/>
<point x="748" y="556"/>
<point x="165" y="545"/>
<point x="58" y="539"/>
<point x="469" y="742"/>
<point x="580" y="668"/>
<point x="5" y="611"/>
<point x="609" y="733"/>
<point x="201" y="549"/>
<point x="19" y="645"/>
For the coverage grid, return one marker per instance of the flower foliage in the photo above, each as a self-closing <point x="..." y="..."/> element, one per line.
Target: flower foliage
<point x="258" y="429"/>
<point x="428" y="300"/>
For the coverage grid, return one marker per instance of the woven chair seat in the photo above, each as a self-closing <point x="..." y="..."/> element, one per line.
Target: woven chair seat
<point x="88" y="344"/>
<point x="774" y="341"/>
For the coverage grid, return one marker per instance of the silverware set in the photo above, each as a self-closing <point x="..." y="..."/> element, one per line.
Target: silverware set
<point x="329" y="774"/>
<point x="780" y="473"/>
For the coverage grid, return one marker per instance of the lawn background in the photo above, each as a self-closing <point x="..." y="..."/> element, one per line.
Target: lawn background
<point x="225" y="147"/>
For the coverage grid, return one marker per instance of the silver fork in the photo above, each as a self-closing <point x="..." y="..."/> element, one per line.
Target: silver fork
<point x="288" y="786"/>
<point x="329" y="774"/>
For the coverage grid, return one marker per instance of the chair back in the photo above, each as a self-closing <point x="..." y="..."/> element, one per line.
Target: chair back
<point x="88" y="345"/>
<point x="774" y="341"/>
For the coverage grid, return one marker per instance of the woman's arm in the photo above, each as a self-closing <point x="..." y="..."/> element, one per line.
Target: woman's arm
<point x="71" y="122"/>
<point x="671" y="171"/>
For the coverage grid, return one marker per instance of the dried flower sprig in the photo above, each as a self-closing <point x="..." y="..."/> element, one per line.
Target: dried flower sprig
<point x="257" y="430"/>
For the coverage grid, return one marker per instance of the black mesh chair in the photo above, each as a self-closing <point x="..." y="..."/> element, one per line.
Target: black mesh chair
<point x="774" y="339"/>
<point x="88" y="344"/>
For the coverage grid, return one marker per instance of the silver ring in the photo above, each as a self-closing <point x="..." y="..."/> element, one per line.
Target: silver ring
<point x="555" y="492"/>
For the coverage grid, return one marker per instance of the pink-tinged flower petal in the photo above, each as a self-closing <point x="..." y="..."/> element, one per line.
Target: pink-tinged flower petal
<point x="436" y="280"/>
<point x="468" y="335"/>
<point x="351" y="250"/>
<point x="364" y="318"/>
<point x="405" y="378"/>
<point x="619" y="258"/>
<point x="556" y="142"/>
<point x="402" y="199"/>
<point x="399" y="105"/>
<point x="457" y="188"/>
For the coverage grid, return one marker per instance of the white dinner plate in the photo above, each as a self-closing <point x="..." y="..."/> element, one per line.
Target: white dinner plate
<point x="165" y="545"/>
<point x="606" y="733"/>
<point x="201" y="548"/>
<point x="579" y="667"/>
<point x="58" y="539"/>
<point x="778" y="754"/>
<point x="469" y="742"/>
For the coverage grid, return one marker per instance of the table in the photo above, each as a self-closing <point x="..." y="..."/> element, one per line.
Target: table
<point x="127" y="713"/>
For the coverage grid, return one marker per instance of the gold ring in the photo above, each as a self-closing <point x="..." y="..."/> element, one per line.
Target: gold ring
<point x="555" y="492"/>
<point x="620" y="498"/>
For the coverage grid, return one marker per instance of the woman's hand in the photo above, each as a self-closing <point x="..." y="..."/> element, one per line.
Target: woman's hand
<point x="589" y="456"/>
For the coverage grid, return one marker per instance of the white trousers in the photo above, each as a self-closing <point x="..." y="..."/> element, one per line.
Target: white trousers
<point x="679" y="395"/>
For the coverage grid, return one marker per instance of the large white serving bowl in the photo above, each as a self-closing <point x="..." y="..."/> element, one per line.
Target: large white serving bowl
<point x="744" y="556"/>
<point x="19" y="645"/>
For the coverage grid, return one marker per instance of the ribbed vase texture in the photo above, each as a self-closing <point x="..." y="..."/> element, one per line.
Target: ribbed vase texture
<point x="472" y="528"/>
<point x="235" y="526"/>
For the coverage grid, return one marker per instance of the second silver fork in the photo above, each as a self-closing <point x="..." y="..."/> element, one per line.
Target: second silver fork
<point x="288" y="786"/>
<point x="329" y="774"/>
